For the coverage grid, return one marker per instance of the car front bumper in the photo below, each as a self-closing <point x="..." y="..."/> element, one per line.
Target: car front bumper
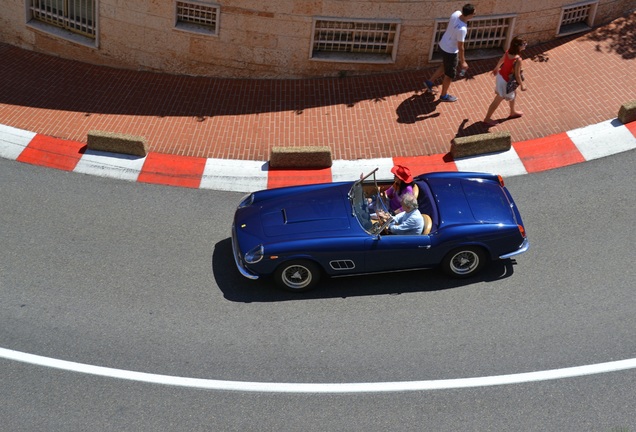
<point x="238" y="259"/>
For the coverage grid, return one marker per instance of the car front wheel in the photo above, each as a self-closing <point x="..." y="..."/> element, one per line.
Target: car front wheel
<point x="298" y="275"/>
<point x="464" y="262"/>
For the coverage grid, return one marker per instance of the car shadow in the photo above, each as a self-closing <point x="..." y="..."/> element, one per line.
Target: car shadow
<point x="236" y="288"/>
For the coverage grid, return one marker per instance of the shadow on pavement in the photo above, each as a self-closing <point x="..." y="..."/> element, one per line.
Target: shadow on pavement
<point x="236" y="288"/>
<point x="618" y="37"/>
<point x="94" y="89"/>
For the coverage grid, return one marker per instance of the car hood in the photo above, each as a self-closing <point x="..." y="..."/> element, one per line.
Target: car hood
<point x="462" y="201"/>
<point x="310" y="212"/>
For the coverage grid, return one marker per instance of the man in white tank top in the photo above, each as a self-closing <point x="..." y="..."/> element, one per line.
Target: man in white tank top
<point x="452" y="47"/>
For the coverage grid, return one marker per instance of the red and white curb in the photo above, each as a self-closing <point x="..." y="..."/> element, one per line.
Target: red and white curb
<point x="567" y="148"/>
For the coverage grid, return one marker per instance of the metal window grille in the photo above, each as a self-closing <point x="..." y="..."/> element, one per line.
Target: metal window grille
<point x="483" y="32"/>
<point x="577" y="17"/>
<point x="199" y="14"/>
<point x="576" y="14"/>
<point x="356" y="37"/>
<point x="77" y="16"/>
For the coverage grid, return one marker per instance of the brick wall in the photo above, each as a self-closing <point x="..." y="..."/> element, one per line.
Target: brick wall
<point x="267" y="39"/>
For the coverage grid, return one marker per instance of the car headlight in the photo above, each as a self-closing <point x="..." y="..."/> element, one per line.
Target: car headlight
<point x="246" y="201"/>
<point x="254" y="255"/>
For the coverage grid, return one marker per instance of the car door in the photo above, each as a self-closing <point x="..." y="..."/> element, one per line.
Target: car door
<point x="398" y="252"/>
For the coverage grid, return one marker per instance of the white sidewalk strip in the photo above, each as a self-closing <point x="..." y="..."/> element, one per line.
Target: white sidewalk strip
<point x="348" y="170"/>
<point x="508" y="164"/>
<point x="13" y="141"/>
<point x="602" y="139"/>
<point x="115" y="165"/>
<point x="234" y="175"/>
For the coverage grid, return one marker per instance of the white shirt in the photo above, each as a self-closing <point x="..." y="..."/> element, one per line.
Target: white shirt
<point x="455" y="32"/>
<point x="407" y="223"/>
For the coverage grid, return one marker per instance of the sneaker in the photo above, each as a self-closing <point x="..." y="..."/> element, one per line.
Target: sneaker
<point x="448" y="98"/>
<point x="429" y="86"/>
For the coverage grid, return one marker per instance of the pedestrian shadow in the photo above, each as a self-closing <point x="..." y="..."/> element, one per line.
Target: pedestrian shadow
<point x="416" y="108"/>
<point x="475" y="128"/>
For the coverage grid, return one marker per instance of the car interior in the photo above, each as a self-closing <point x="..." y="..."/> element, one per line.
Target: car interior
<point x="425" y="200"/>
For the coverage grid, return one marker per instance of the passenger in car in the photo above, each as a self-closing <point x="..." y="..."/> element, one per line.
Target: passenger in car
<point x="409" y="222"/>
<point x="402" y="184"/>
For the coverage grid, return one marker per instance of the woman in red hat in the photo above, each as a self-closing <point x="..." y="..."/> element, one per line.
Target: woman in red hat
<point x="402" y="184"/>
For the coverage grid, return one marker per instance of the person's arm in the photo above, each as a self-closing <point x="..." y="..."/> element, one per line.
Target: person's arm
<point x="462" y="58"/>
<point x="403" y="223"/>
<point x="395" y="224"/>
<point x="495" y="71"/>
<point x="518" y="65"/>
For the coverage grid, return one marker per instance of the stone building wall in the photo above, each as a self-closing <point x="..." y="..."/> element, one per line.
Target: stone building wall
<point x="269" y="39"/>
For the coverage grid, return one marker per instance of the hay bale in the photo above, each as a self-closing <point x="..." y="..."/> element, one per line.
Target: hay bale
<point x="309" y="157"/>
<point x="473" y="145"/>
<point x="117" y="143"/>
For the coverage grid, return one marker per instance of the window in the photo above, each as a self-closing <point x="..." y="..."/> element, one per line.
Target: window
<point x="198" y="17"/>
<point x="352" y="40"/>
<point x="577" y="17"/>
<point x="75" y="16"/>
<point x="485" y="36"/>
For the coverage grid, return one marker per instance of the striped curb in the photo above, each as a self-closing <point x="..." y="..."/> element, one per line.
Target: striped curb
<point x="567" y="148"/>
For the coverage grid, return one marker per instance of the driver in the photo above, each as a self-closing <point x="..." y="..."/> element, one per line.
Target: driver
<point x="409" y="222"/>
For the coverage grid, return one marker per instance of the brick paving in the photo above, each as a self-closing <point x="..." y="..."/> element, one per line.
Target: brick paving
<point x="572" y="82"/>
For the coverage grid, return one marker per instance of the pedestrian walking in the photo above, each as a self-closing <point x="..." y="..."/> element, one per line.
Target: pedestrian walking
<point x="452" y="47"/>
<point x="509" y="76"/>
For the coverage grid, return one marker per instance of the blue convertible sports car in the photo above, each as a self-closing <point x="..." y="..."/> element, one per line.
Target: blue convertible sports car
<point x="297" y="234"/>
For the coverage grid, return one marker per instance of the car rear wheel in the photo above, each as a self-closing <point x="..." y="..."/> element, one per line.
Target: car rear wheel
<point x="464" y="262"/>
<point x="298" y="275"/>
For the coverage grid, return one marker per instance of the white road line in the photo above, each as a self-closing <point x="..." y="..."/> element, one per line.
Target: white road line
<point x="325" y="388"/>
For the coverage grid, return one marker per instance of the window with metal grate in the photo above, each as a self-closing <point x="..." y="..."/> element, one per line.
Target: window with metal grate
<point x="197" y="17"/>
<point x="76" y="16"/>
<point x="354" y="40"/>
<point x="487" y="36"/>
<point x="577" y="17"/>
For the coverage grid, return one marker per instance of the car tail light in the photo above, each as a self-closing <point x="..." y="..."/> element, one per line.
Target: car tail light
<point x="522" y="230"/>
<point x="501" y="180"/>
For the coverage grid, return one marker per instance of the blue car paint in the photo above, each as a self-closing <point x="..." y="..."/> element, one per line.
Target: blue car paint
<point x="315" y="222"/>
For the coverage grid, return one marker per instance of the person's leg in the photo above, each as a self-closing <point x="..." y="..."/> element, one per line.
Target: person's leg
<point x="446" y="84"/>
<point x="491" y="109"/>
<point x="438" y="73"/>
<point x="450" y="69"/>
<point x="513" y="113"/>
<point x="430" y="83"/>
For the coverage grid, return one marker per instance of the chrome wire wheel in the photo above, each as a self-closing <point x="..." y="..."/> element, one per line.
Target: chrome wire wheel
<point x="297" y="275"/>
<point x="464" y="262"/>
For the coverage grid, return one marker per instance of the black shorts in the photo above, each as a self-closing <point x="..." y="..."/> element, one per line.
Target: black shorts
<point x="450" y="64"/>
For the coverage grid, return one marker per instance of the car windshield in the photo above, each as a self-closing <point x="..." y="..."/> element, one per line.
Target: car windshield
<point x="365" y="201"/>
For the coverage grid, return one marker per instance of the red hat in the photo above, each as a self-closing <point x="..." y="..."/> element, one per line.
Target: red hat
<point x="403" y="173"/>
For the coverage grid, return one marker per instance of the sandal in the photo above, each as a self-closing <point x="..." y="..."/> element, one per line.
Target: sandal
<point x="514" y="116"/>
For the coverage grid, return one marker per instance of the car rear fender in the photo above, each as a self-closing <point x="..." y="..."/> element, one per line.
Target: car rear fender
<point x="479" y="235"/>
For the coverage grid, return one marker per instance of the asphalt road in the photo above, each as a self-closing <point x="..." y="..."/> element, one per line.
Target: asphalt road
<point x="140" y="277"/>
